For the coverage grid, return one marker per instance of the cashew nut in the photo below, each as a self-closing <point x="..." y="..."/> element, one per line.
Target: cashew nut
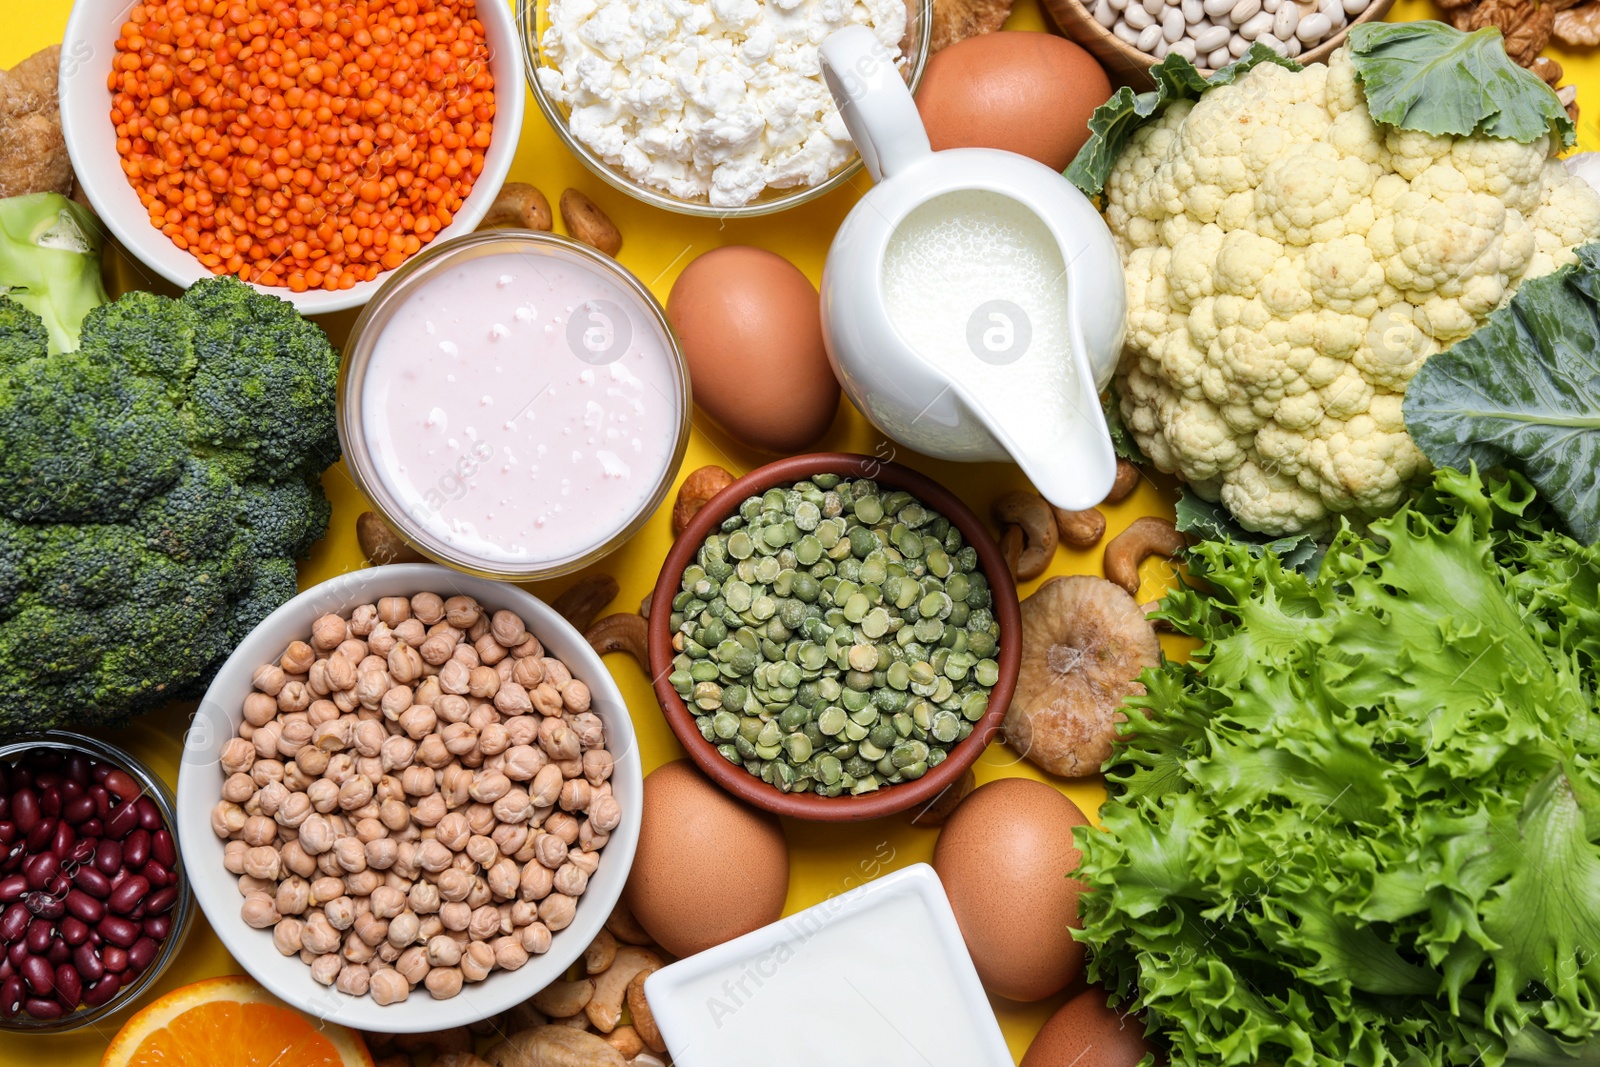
<point x="1029" y="511"/>
<point x="1080" y="529"/>
<point x="601" y="953"/>
<point x="644" y="1021"/>
<point x="626" y="1040"/>
<point x="625" y="927"/>
<point x="554" y="1046"/>
<point x="586" y="222"/>
<point x="562" y="1000"/>
<point x="519" y="206"/>
<point x="1147" y="536"/>
<point x="695" y="492"/>
<point x="1126" y="481"/>
<point x="611" y="986"/>
<point x="1011" y="541"/>
<point x="583" y="600"/>
<point x="622" y="632"/>
<point x="524" y="1016"/>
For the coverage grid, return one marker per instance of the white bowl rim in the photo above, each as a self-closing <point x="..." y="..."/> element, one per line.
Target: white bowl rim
<point x="84" y="121"/>
<point x="216" y="892"/>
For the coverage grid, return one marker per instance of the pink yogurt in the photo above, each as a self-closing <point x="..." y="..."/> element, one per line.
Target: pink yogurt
<point x="522" y="408"/>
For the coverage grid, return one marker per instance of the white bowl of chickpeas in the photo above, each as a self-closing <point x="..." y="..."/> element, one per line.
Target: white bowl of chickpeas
<point x="409" y="799"/>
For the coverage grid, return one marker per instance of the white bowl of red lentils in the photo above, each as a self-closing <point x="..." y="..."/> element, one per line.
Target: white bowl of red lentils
<point x="308" y="147"/>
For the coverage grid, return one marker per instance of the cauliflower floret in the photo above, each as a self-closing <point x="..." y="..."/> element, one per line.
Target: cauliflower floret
<point x="1291" y="264"/>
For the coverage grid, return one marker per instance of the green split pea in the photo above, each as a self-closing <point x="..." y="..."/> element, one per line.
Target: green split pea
<point x="835" y="637"/>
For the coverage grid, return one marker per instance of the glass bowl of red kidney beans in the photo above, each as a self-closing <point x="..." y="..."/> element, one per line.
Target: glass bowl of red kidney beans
<point x="93" y="901"/>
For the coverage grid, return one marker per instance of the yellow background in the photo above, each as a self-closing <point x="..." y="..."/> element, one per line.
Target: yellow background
<point x="825" y="859"/>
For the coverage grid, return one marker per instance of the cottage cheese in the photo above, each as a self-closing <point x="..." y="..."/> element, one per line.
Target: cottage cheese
<point x="714" y="99"/>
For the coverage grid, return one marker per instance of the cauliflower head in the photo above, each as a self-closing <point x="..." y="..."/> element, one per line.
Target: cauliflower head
<point x="1290" y="265"/>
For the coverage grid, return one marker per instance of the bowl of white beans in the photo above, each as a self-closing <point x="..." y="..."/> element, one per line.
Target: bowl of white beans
<point x="1130" y="36"/>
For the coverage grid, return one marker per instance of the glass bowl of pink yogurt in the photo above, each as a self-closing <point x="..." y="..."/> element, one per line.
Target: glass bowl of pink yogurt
<point x="514" y="403"/>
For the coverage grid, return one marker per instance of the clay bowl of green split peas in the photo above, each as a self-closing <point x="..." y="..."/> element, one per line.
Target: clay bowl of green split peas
<point x="835" y="638"/>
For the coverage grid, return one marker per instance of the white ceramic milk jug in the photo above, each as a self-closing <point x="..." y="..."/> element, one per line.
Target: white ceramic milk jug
<point x="973" y="302"/>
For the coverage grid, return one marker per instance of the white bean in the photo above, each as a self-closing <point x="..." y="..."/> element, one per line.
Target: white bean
<point x="1217" y="8"/>
<point x="1160" y="49"/>
<point x="1237" y="46"/>
<point x="1219" y="59"/>
<point x="1104" y="15"/>
<point x="1355" y="7"/>
<point x="1244" y="11"/>
<point x="1211" y="39"/>
<point x="1138" y="17"/>
<point x="1259" y="24"/>
<point x="1119" y="5"/>
<point x="1125" y="33"/>
<point x="1148" y="38"/>
<point x="1172" y="25"/>
<point x="1285" y="21"/>
<point x="1273" y="43"/>
<point x="1271" y="6"/>
<point x="1184" y="48"/>
<point x="1292" y="47"/>
<point x="1313" y="28"/>
<point x="1192" y="11"/>
<point x="1154" y="8"/>
<point x="1334" y="9"/>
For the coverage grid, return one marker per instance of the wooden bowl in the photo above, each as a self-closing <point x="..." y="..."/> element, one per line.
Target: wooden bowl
<point x="889" y="799"/>
<point x="1129" y="66"/>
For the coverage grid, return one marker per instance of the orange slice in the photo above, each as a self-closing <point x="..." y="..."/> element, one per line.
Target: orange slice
<point x="232" y="1021"/>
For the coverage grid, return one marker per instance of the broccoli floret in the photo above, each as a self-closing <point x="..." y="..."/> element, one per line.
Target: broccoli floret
<point x="50" y="262"/>
<point x="264" y="386"/>
<point x="135" y="550"/>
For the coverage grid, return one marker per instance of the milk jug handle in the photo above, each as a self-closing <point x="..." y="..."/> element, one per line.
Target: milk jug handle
<point x="873" y="100"/>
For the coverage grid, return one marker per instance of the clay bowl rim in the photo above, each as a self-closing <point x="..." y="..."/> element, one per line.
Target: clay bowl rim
<point x="809" y="806"/>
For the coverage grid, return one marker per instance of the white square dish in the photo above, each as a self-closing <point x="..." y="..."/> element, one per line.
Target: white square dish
<point x="876" y="975"/>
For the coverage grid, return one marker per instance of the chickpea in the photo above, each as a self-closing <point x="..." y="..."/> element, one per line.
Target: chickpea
<point x="597" y="766"/>
<point x="351" y="853"/>
<point x="416" y="781"/>
<point x="433" y="857"/>
<point x="335" y="735"/>
<point x="513" y="808"/>
<point x="509" y="954"/>
<point x="412" y="633"/>
<point x="238" y="787"/>
<point x="484" y="923"/>
<point x="477" y="960"/>
<point x="454" y="884"/>
<point x="547" y="786"/>
<point x="310" y="762"/>
<point x="423" y="898"/>
<point x="452" y="707"/>
<point x="370" y="929"/>
<point x="294" y="895"/>
<point x="509" y="838"/>
<point x="362" y="883"/>
<point x="557" y="911"/>
<point x="523" y="762"/>
<point x="294" y="696"/>
<point x="269" y="679"/>
<point x="388" y="986"/>
<point x="605" y="813"/>
<point x="563" y="826"/>
<point x="431" y="752"/>
<point x="443" y="982"/>
<point x="406" y="860"/>
<point x="527" y="673"/>
<point x="455" y="678"/>
<point x="453" y="831"/>
<point x="444" y="951"/>
<point x="355" y="950"/>
<point x="427" y="692"/>
<point x="536" y="882"/>
<point x="323" y="796"/>
<point x="412" y="964"/>
<point x="259" y="830"/>
<point x="575" y="795"/>
<point x="399" y="751"/>
<point x="546" y="700"/>
<point x="403" y="928"/>
<point x="488" y="787"/>
<point x="371" y="685"/>
<point x="340" y="912"/>
<point x="482" y="850"/>
<point x="437" y="648"/>
<point x="387" y="902"/>
<point x="265" y="739"/>
<point x="455" y="784"/>
<point x="368" y="828"/>
<point x="286" y="937"/>
<point x="294" y="810"/>
<point x="381" y="853"/>
<point x="354" y="979"/>
<point x="503" y="876"/>
<point x="325" y="968"/>
<point x="294" y="858"/>
<point x="233" y="856"/>
<point x="266" y="768"/>
<point x="459" y="738"/>
<point x="535" y="938"/>
<point x="258" y="910"/>
<point x="455" y="914"/>
<point x="590" y="840"/>
<point x="510" y="698"/>
<point x="227" y="819"/>
<point x="558" y="740"/>
<point x="529" y="647"/>
<point x="325" y="888"/>
<point x="249" y="884"/>
<point x="418" y="721"/>
<point x="393" y="610"/>
<point x="319" y="934"/>
<point x="429" y="810"/>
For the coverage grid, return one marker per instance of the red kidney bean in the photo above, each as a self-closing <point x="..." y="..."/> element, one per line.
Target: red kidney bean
<point x="128" y="895"/>
<point x="102" y="991"/>
<point x="114" y="958"/>
<point x="108" y="858"/>
<point x="58" y="953"/>
<point x="74" y="931"/>
<point x="14" y="857"/>
<point x="12" y="886"/>
<point x="92" y="881"/>
<point x="137" y="914"/>
<point x="87" y="960"/>
<point x="149" y="815"/>
<point x="70" y="791"/>
<point x="44" y="905"/>
<point x="82" y="850"/>
<point x="14" y="921"/>
<point x="79" y="810"/>
<point x="12" y="990"/>
<point x="85" y="907"/>
<point x="136" y="849"/>
<point x="100" y="770"/>
<point x="25" y="809"/>
<point x="41" y="834"/>
<point x="21" y="776"/>
<point x="63" y="839"/>
<point x="41" y="868"/>
<point x="5" y="803"/>
<point x="158" y="926"/>
<point x="38" y="973"/>
<point x="43" y="1008"/>
<point x="91" y="828"/>
<point x="123" y="784"/>
<point x="162" y="900"/>
<point x="163" y="849"/>
<point x="40" y="932"/>
<point x="142" y="953"/>
<point x="69" y="985"/>
<point x="78" y="767"/>
<point x="102" y="801"/>
<point x="122" y="820"/>
<point x="17" y="953"/>
<point x="8" y="832"/>
<point x="6" y="970"/>
<point x="158" y="876"/>
<point x="50" y="800"/>
<point x="118" y="931"/>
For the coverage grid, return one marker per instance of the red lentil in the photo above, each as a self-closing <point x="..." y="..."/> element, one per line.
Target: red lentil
<point x="302" y="143"/>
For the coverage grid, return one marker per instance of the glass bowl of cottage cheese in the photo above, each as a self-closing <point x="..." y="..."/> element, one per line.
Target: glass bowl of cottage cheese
<point x="708" y="107"/>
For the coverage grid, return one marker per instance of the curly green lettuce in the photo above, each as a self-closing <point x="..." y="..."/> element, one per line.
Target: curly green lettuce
<point x="1359" y="827"/>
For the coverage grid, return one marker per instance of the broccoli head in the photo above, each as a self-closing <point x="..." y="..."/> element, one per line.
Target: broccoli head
<point x="157" y="484"/>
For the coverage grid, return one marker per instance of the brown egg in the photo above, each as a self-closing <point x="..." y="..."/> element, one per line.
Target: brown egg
<point x="751" y="328"/>
<point x="1029" y="93"/>
<point x="1084" y="1032"/>
<point x="708" y="868"/>
<point x="1004" y="857"/>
